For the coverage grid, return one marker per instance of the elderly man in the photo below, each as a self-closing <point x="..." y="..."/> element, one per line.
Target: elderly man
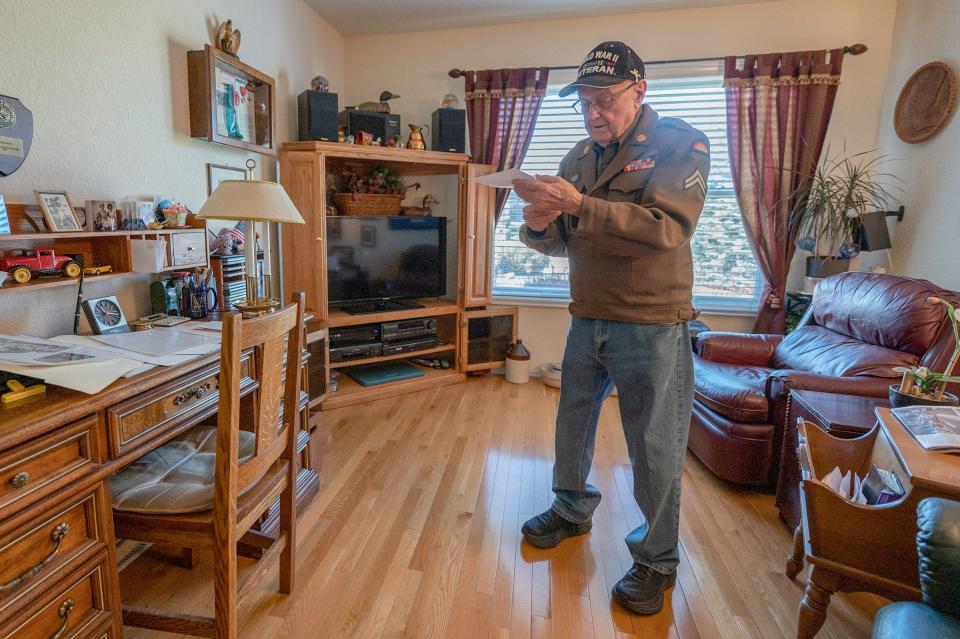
<point x="623" y="209"/>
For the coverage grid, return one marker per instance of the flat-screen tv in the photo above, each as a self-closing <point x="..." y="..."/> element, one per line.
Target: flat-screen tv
<point x="374" y="261"/>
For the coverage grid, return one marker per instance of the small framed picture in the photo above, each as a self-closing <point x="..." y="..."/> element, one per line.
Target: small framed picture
<point x="217" y="173"/>
<point x="58" y="212"/>
<point x="4" y="219"/>
<point x="101" y="215"/>
<point x="368" y="235"/>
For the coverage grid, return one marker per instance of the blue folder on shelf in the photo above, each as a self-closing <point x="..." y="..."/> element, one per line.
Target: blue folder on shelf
<point x="383" y="373"/>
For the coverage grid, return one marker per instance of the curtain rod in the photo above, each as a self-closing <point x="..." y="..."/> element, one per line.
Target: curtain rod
<point x="853" y="49"/>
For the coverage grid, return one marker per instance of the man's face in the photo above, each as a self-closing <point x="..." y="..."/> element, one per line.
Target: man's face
<point x="604" y="125"/>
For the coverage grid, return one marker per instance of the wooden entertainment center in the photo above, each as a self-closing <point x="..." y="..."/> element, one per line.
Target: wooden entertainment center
<point x="461" y="316"/>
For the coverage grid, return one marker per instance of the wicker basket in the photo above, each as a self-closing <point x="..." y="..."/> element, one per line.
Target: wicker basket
<point x="367" y="203"/>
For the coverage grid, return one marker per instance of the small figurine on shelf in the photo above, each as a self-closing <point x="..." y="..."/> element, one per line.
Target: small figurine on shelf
<point x="422" y="211"/>
<point x="223" y="243"/>
<point x="392" y="142"/>
<point x="377" y="142"/>
<point x="383" y="106"/>
<point x="350" y="139"/>
<point x="362" y="137"/>
<point x="341" y="133"/>
<point x="320" y="83"/>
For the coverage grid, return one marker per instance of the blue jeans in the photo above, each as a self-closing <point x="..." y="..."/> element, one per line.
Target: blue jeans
<point x="652" y="368"/>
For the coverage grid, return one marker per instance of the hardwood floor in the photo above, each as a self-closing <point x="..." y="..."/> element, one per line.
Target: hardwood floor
<point x="415" y="533"/>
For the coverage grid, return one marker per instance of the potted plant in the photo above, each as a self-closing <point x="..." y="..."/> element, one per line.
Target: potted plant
<point x="379" y="192"/>
<point x="921" y="386"/>
<point x="826" y="212"/>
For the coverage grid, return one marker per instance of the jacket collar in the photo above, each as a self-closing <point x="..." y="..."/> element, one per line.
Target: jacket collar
<point x="641" y="135"/>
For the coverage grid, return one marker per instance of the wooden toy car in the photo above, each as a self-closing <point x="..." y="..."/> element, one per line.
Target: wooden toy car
<point x="39" y="262"/>
<point x="98" y="269"/>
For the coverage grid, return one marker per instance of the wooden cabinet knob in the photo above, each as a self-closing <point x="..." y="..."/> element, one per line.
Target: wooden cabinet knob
<point x="20" y="479"/>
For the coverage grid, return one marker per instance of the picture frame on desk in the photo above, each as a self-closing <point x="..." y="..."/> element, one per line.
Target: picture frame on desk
<point x="58" y="212"/>
<point x="217" y="173"/>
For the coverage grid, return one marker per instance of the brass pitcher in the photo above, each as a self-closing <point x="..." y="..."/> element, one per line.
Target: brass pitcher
<point x="416" y="141"/>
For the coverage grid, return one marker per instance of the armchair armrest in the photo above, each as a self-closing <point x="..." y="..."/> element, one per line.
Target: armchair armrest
<point x="938" y="547"/>
<point x="737" y="348"/>
<point x="783" y="381"/>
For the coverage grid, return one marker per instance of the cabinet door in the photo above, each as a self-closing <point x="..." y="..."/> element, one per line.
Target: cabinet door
<point x="485" y="336"/>
<point x="302" y="248"/>
<point x="478" y="243"/>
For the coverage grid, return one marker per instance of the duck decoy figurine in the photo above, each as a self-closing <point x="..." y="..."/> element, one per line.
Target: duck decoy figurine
<point x="383" y="106"/>
<point x="422" y="211"/>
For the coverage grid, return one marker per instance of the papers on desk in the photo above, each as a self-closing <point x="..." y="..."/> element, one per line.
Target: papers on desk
<point x="503" y="179"/>
<point x="34" y="351"/>
<point x="158" y="342"/>
<point x="90" y="377"/>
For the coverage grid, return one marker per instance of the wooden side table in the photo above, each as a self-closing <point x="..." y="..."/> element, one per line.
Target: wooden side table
<point x="843" y="416"/>
<point x="853" y="547"/>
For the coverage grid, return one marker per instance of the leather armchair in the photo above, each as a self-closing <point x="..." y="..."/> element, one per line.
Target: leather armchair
<point x="938" y="547"/>
<point x="858" y="327"/>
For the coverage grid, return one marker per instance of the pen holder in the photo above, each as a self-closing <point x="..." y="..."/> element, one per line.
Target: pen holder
<point x="198" y="301"/>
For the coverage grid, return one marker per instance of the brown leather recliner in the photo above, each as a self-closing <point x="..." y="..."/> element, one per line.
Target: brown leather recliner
<point x="858" y="327"/>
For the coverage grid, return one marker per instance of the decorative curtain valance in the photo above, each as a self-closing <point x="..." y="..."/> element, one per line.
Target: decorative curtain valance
<point x="778" y="110"/>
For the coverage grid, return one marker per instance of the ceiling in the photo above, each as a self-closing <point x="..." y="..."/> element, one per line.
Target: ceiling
<point x="373" y="17"/>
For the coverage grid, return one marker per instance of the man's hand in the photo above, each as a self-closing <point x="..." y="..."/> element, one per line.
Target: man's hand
<point x="549" y="193"/>
<point x="537" y="219"/>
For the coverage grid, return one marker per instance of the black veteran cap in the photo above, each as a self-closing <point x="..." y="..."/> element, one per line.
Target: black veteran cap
<point x="609" y="63"/>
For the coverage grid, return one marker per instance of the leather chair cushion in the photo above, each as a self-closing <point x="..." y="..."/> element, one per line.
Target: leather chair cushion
<point x="819" y="350"/>
<point x="891" y="312"/>
<point x="913" y="619"/>
<point x="177" y="477"/>
<point x="938" y="548"/>
<point x="732" y="390"/>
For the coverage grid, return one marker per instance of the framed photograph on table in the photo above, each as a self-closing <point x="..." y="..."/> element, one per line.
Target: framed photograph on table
<point x="217" y="173"/>
<point x="58" y="213"/>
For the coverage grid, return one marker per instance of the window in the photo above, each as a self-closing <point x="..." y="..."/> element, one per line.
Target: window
<point x="725" y="272"/>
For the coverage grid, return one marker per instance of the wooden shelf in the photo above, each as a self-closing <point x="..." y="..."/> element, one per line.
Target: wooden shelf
<point x="339" y="317"/>
<point x="403" y="161"/>
<point x="353" y="393"/>
<point x="50" y="282"/>
<point x="20" y="237"/>
<point x="386" y="358"/>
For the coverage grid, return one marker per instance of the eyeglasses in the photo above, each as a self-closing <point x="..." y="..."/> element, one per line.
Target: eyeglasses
<point x="603" y="104"/>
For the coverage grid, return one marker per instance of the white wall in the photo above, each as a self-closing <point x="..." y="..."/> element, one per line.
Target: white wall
<point x="415" y="65"/>
<point x="925" y="242"/>
<point x="107" y="84"/>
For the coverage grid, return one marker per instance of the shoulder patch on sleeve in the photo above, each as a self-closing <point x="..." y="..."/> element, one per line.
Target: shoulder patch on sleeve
<point x="700" y="147"/>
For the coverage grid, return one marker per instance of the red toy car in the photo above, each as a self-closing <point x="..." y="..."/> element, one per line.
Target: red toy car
<point x="40" y="262"/>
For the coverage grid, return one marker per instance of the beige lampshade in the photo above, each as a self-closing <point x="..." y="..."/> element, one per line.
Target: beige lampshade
<point x="250" y="200"/>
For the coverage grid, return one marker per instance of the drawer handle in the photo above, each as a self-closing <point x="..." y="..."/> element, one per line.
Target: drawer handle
<point x="57" y="535"/>
<point x="64" y="613"/>
<point x="20" y="479"/>
<point x="197" y="391"/>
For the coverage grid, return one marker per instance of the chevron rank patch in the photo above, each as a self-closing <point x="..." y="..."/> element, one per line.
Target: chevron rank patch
<point x="696" y="181"/>
<point x="700" y="147"/>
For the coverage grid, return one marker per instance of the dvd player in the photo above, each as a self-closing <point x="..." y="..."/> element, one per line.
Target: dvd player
<point x="357" y="351"/>
<point x="354" y="335"/>
<point x="409" y="347"/>
<point x="406" y="330"/>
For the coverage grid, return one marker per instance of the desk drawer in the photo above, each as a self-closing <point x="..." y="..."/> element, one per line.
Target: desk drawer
<point x="76" y="609"/>
<point x="188" y="249"/>
<point x="138" y="420"/>
<point x="37" y="553"/>
<point x="37" y="468"/>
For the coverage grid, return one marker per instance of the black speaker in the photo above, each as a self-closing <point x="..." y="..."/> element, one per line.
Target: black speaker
<point x="379" y="125"/>
<point x="317" y="116"/>
<point x="449" y="130"/>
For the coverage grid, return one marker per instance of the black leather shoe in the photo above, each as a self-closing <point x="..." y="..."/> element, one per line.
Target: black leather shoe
<point x="548" y="529"/>
<point x="641" y="589"/>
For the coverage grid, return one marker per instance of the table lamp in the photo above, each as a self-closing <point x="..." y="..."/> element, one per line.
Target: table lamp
<point x="252" y="201"/>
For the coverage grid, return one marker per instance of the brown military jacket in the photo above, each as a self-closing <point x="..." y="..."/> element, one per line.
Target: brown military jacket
<point x="629" y="245"/>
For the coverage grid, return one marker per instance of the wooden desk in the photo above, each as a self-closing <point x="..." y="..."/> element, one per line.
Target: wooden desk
<point x="57" y="547"/>
<point x="857" y="547"/>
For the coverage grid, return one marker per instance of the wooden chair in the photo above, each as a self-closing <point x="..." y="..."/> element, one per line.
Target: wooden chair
<point x="244" y="490"/>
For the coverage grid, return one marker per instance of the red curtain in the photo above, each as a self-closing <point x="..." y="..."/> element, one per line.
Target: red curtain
<point x="502" y="108"/>
<point x="778" y="109"/>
